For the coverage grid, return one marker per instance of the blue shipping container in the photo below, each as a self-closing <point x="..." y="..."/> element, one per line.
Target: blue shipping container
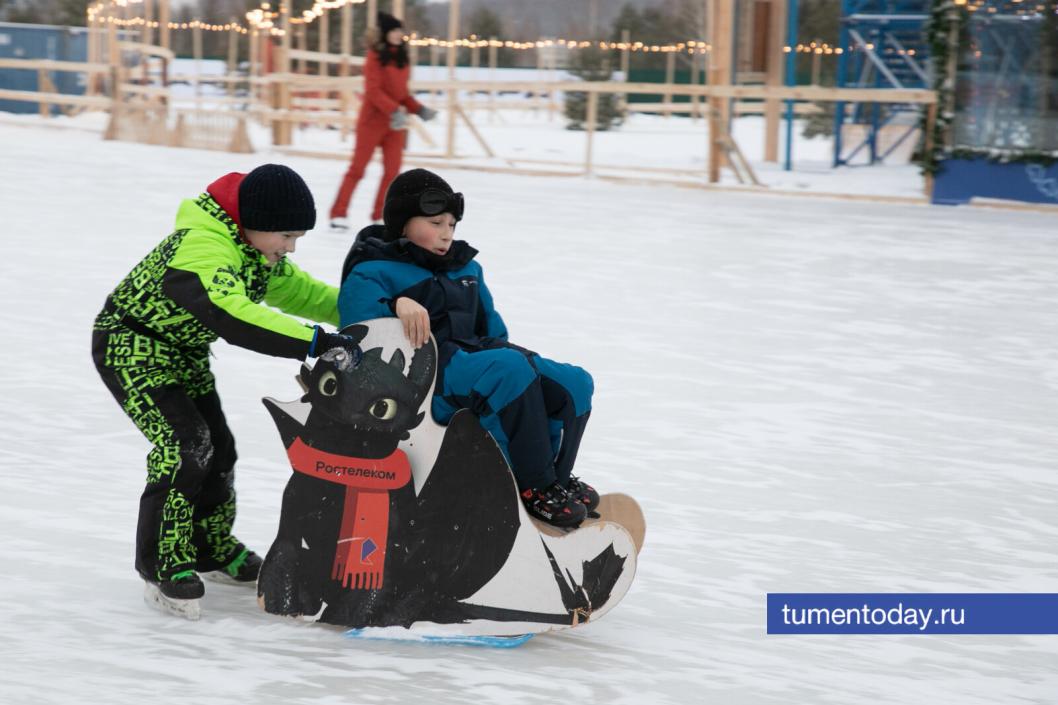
<point x="33" y="41"/>
<point x="960" y="180"/>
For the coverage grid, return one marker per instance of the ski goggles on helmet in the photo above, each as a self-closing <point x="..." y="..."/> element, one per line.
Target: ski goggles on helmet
<point x="434" y="201"/>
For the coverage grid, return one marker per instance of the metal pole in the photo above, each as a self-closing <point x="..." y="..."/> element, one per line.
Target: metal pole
<point x="841" y="80"/>
<point x="791" y="80"/>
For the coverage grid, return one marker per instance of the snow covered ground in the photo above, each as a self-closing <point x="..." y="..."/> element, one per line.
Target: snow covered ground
<point x="804" y="394"/>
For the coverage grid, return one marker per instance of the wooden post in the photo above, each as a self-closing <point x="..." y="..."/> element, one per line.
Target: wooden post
<point x="233" y="59"/>
<point x="42" y="86"/>
<point x="92" y="48"/>
<point x="670" y="76"/>
<point x="112" y="44"/>
<point x="493" y="54"/>
<point x="254" y="52"/>
<point x="283" y="65"/>
<point x="817" y="58"/>
<point x="372" y="14"/>
<point x="589" y="129"/>
<point x="282" y="129"/>
<point x="722" y="16"/>
<point x="116" y="105"/>
<point x="398" y="9"/>
<point x="434" y="51"/>
<point x="196" y="38"/>
<point x="233" y="51"/>
<point x="344" y="69"/>
<point x="147" y="36"/>
<point x="325" y="41"/>
<point x="552" y="104"/>
<point x="695" y="80"/>
<point x="163" y="23"/>
<point x="475" y="64"/>
<point x="537" y="99"/>
<point x="626" y="40"/>
<point x="453" y="30"/>
<point x="774" y="76"/>
<point x="302" y="38"/>
<point x="347" y="32"/>
<point x="114" y="55"/>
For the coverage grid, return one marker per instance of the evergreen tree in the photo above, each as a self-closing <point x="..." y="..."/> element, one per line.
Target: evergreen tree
<point x="486" y="24"/>
<point x="592" y="65"/>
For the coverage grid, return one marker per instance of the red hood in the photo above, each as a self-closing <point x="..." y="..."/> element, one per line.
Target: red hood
<point x="225" y="192"/>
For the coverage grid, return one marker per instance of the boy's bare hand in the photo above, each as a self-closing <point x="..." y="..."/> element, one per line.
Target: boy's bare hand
<point x="416" y="321"/>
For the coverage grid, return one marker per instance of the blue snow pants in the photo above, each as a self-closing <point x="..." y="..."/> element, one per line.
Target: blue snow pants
<point x="535" y="408"/>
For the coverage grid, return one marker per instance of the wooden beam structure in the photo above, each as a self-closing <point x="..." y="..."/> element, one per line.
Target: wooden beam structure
<point x="774" y="76"/>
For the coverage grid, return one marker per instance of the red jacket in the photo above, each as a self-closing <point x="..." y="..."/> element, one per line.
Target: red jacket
<point x="385" y="90"/>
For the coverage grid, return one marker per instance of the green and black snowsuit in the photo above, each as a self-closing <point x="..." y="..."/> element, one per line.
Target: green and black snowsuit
<point x="151" y="347"/>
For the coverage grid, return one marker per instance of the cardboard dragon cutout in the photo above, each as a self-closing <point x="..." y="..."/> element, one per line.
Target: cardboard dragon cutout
<point x="390" y="519"/>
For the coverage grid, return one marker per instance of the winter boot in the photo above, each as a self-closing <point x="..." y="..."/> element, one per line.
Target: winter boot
<point x="241" y="571"/>
<point x="583" y="493"/>
<point x="179" y="595"/>
<point x="554" y="505"/>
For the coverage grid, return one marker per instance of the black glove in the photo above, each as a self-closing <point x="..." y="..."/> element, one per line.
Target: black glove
<point x="427" y="114"/>
<point x="325" y="341"/>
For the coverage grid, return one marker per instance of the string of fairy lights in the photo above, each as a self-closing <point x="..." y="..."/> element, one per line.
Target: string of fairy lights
<point x="266" y="19"/>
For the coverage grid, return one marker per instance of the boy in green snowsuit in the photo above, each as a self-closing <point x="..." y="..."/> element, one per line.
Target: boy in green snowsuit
<point x="150" y="344"/>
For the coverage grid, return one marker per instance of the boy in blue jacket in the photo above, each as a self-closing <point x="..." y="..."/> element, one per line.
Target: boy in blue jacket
<point x="412" y="268"/>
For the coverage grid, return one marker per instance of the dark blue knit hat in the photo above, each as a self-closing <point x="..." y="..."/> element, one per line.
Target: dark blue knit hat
<point x="274" y="198"/>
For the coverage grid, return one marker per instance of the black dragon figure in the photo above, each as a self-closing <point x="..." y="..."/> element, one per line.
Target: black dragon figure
<point x="356" y="545"/>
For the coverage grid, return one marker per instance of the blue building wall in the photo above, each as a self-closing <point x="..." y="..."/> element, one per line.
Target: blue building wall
<point x="30" y="41"/>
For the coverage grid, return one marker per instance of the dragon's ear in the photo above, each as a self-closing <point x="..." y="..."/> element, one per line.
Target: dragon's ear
<point x="423" y="364"/>
<point x="356" y="331"/>
<point x="303" y="377"/>
<point x="397" y="361"/>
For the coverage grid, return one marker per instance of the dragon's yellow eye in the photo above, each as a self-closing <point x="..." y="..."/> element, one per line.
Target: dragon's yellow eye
<point x="384" y="409"/>
<point x="328" y="385"/>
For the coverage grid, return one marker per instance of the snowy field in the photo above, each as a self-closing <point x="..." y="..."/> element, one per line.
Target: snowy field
<point x="806" y="395"/>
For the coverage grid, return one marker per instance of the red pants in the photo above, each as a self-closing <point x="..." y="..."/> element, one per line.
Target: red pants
<point x="368" y="137"/>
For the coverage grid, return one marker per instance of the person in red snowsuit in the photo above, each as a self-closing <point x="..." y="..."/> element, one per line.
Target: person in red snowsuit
<point x="383" y="117"/>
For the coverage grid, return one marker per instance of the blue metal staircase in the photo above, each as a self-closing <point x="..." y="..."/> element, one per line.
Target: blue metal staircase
<point x="883" y="45"/>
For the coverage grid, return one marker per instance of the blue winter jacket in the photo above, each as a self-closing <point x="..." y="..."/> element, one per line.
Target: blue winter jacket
<point x="451" y="288"/>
